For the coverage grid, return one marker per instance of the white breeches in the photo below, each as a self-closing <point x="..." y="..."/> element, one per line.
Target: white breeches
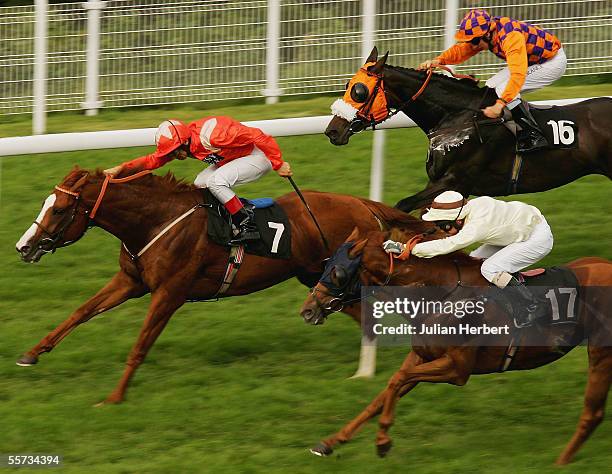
<point x="221" y="179"/>
<point x="517" y="256"/>
<point x="538" y="75"/>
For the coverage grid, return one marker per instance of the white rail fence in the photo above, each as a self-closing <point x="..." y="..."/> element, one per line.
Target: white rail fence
<point x="61" y="142"/>
<point x="122" y="53"/>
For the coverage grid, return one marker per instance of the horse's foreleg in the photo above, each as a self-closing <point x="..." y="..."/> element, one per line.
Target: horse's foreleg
<point x="163" y="305"/>
<point x="119" y="289"/>
<point x="446" y="369"/>
<point x="373" y="409"/>
<point x="598" y="385"/>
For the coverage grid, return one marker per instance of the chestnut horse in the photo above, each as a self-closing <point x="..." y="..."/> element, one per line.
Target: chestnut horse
<point x="183" y="264"/>
<point x="469" y="160"/>
<point x="454" y="364"/>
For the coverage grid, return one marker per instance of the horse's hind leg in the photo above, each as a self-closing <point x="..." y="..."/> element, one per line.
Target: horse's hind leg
<point x="119" y="289"/>
<point x="324" y="448"/>
<point x="163" y="305"/>
<point x="598" y="385"/>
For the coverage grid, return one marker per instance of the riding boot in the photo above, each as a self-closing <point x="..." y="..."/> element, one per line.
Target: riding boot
<point x="529" y="137"/>
<point x="526" y="306"/>
<point x="244" y="220"/>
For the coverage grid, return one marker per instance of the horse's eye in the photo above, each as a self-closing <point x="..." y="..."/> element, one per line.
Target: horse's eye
<point x="59" y="211"/>
<point x="338" y="275"/>
<point x="359" y="93"/>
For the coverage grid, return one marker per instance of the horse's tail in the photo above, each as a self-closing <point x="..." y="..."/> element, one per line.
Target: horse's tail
<point x="389" y="216"/>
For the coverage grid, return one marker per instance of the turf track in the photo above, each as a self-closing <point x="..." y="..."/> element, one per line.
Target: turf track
<point x="243" y="385"/>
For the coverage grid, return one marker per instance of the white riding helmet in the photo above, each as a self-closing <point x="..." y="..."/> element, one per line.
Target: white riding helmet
<point x="448" y="206"/>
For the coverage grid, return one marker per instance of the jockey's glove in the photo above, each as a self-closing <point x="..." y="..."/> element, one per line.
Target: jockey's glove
<point x="391" y="246"/>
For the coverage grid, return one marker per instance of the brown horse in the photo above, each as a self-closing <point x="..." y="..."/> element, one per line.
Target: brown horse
<point x="455" y="363"/>
<point x="183" y="264"/>
<point x="474" y="160"/>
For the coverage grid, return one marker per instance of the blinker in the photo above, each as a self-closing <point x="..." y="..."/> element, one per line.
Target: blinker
<point x="359" y="92"/>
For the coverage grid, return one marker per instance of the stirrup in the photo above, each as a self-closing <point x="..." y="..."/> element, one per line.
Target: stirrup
<point x="532" y="142"/>
<point x="244" y="236"/>
<point x="522" y="325"/>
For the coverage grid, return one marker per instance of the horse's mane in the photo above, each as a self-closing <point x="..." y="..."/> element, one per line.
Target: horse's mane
<point x="465" y="82"/>
<point x="167" y="182"/>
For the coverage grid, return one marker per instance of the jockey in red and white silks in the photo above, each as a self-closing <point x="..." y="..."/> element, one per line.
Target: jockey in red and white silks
<point x="237" y="154"/>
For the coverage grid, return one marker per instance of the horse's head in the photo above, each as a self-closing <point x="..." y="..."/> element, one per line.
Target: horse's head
<point x="339" y="284"/>
<point x="61" y="221"/>
<point x="362" y="104"/>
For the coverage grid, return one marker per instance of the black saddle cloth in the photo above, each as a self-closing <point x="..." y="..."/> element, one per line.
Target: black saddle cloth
<point x="557" y="290"/>
<point x="558" y="124"/>
<point x="272" y="223"/>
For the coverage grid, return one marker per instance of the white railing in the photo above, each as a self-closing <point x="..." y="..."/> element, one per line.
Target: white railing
<point x="122" y="53"/>
<point x="78" y="141"/>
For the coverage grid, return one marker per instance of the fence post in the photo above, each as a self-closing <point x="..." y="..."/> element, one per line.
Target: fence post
<point x="450" y="22"/>
<point x="368" y="26"/>
<point x="39" y="109"/>
<point x="272" y="91"/>
<point x="92" y="80"/>
<point x="368" y="31"/>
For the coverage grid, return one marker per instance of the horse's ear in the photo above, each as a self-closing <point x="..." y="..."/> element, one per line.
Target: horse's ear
<point x="354" y="235"/>
<point x="80" y="183"/>
<point x="373" y="57"/>
<point x="357" y="248"/>
<point x="378" y="67"/>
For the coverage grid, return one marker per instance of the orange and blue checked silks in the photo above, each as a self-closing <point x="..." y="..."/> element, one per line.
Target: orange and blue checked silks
<point x="541" y="44"/>
<point x="520" y="44"/>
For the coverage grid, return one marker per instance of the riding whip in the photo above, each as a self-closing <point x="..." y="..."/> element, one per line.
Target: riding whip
<point x="299" y="193"/>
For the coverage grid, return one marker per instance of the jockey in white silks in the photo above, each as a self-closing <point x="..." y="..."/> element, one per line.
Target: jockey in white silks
<point x="236" y="154"/>
<point x="513" y="235"/>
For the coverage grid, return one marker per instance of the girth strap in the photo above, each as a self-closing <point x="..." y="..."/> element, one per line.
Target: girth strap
<point x="517" y="164"/>
<point x="233" y="265"/>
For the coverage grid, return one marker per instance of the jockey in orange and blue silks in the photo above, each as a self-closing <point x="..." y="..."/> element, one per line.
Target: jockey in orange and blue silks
<point x="535" y="59"/>
<point x="236" y="154"/>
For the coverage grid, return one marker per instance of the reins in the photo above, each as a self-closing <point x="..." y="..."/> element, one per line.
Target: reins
<point x="109" y="179"/>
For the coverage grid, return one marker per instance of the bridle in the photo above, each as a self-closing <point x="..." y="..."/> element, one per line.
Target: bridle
<point x="52" y="240"/>
<point x="364" y="114"/>
<point x="50" y="243"/>
<point x="353" y="285"/>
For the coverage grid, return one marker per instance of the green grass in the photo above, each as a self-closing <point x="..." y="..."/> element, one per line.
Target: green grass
<point x="243" y="385"/>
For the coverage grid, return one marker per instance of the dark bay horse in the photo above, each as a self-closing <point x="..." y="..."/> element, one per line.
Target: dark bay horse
<point x="183" y="264"/>
<point x="462" y="158"/>
<point x="454" y="364"/>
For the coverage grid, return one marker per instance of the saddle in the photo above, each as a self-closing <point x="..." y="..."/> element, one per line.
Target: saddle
<point x="557" y="124"/>
<point x="556" y="289"/>
<point x="270" y="218"/>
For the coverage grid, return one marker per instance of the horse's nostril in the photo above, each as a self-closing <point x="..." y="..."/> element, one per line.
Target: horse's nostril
<point x="331" y="134"/>
<point x="23" y="250"/>
<point x="307" y="314"/>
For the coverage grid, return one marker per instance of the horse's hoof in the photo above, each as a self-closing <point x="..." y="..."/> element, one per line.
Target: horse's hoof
<point x="111" y="400"/>
<point x="27" y="360"/>
<point x="384" y="448"/>
<point x="322" y="450"/>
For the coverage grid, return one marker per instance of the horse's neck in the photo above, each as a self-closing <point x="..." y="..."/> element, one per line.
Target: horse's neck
<point x="443" y="271"/>
<point x="441" y="98"/>
<point x="134" y="214"/>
